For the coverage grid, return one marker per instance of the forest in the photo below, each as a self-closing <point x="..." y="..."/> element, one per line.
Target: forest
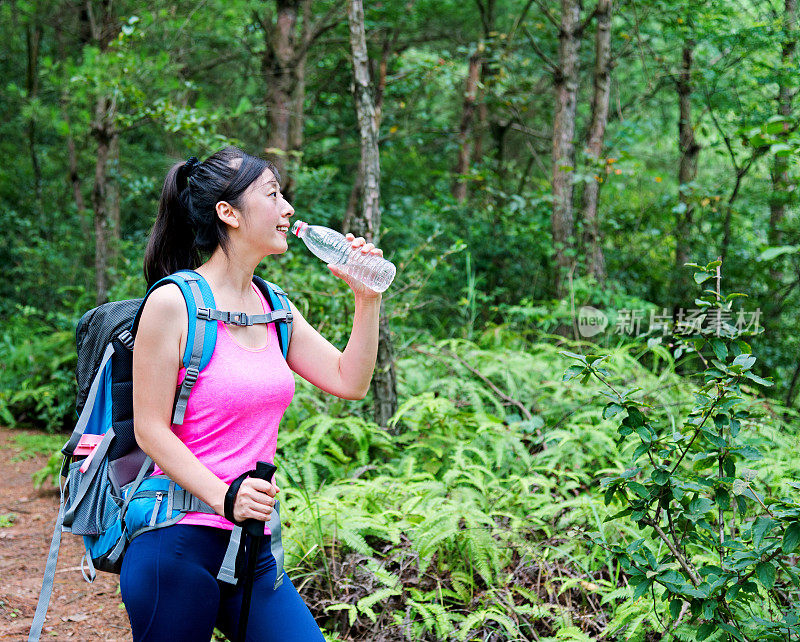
<point x="583" y="422"/>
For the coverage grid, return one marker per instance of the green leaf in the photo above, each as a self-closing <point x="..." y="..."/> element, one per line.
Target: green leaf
<point x="705" y="630"/>
<point x="732" y="592"/>
<point x="781" y="149"/>
<point x="573" y="355"/>
<point x="622" y="513"/>
<point x="572" y="372"/>
<point x="700" y="277"/>
<point x="761" y="528"/>
<point x="774" y="252"/>
<point x="758" y="380"/>
<point x="641" y="589"/>
<point x="746" y="361"/>
<point x="719" y="348"/>
<point x="639" y="489"/>
<point x="701" y="505"/>
<point x="732" y="630"/>
<point x="660" y="476"/>
<point x="791" y="538"/>
<point x="765" y="572"/>
<point x="611" y="409"/>
<point x="675" y="608"/>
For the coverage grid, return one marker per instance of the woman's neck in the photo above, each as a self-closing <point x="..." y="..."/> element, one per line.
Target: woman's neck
<point x="228" y="274"/>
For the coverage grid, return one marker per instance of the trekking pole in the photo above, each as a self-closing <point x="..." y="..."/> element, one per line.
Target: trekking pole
<point x="255" y="532"/>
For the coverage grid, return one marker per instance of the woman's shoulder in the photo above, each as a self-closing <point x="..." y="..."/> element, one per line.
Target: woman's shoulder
<point x="165" y="307"/>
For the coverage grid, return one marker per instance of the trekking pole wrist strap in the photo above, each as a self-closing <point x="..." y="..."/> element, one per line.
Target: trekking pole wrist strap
<point x="230" y="497"/>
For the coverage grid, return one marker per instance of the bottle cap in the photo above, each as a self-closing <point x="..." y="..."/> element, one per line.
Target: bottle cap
<point x="298" y="227"/>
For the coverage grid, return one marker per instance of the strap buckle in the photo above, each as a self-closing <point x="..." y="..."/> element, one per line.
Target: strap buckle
<point x="238" y="318"/>
<point x="204" y="314"/>
<point x="126" y="339"/>
<point x="191" y="375"/>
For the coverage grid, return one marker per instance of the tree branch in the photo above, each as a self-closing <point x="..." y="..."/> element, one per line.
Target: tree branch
<point x="553" y="67"/>
<point x="547" y="14"/>
<point x="674" y="550"/>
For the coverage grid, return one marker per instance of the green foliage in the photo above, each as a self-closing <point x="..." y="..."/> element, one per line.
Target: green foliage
<point x="37" y="358"/>
<point x="713" y="532"/>
<point x="464" y="521"/>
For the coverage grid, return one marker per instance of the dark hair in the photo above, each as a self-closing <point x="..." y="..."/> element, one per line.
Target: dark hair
<point x="187" y="225"/>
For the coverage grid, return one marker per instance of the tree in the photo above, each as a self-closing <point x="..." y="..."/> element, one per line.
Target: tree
<point x="465" y="133"/>
<point x="384" y="383"/>
<point x="687" y="169"/>
<point x="595" y="261"/>
<point x="563" y="157"/>
<point x="104" y="131"/>
<point x="283" y="66"/>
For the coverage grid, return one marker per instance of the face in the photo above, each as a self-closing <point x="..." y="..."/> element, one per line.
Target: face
<point x="267" y="213"/>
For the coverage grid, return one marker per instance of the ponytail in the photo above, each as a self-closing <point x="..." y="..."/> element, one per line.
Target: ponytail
<point x="187" y="225"/>
<point x="171" y="245"/>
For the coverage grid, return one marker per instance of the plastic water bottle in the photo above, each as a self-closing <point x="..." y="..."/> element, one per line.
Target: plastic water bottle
<point x="373" y="271"/>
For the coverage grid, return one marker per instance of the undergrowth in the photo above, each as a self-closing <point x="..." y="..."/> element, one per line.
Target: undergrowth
<point x="468" y="524"/>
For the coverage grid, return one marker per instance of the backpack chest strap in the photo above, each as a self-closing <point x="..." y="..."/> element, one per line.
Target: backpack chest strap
<point x="242" y="319"/>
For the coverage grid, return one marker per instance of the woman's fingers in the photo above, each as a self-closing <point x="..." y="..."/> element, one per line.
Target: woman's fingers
<point x="361" y="242"/>
<point x="255" y="500"/>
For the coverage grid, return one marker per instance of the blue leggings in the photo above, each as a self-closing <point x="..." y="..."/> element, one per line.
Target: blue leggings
<point x="170" y="589"/>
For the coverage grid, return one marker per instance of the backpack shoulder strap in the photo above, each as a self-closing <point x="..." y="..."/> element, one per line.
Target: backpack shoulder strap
<point x="278" y="300"/>
<point x="202" y="335"/>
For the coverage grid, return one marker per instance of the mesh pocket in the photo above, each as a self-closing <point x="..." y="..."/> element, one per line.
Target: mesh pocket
<point x="97" y="509"/>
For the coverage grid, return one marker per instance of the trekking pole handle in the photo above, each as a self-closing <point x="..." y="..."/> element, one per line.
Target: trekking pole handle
<point x="264" y="470"/>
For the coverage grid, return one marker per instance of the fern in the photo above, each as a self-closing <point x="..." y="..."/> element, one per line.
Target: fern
<point x="365" y="604"/>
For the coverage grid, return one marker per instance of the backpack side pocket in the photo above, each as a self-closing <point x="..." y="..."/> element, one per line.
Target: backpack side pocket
<point x="94" y="509"/>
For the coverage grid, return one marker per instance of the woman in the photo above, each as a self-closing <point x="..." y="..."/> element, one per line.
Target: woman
<point x="230" y="208"/>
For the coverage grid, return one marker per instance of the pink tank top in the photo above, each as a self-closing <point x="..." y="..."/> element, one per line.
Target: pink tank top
<point x="234" y="409"/>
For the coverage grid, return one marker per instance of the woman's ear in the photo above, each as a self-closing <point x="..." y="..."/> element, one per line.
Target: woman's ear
<point x="227" y="214"/>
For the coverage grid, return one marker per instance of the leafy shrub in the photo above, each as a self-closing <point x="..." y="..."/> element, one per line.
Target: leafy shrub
<point x="37" y="362"/>
<point x="718" y="544"/>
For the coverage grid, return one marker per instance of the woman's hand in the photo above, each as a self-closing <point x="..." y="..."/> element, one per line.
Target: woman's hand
<point x="358" y="288"/>
<point x="255" y="500"/>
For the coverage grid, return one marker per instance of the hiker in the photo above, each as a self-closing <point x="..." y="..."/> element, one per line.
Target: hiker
<point x="229" y="210"/>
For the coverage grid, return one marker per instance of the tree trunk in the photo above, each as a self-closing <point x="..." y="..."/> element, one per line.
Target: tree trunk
<point x="33" y="37"/>
<point x="687" y="173"/>
<point x="465" y="135"/>
<point x="370" y="218"/>
<point x="103" y="133"/>
<point x="72" y="155"/>
<point x="284" y="67"/>
<point x="780" y="194"/>
<point x="114" y="232"/>
<point x="596" y="265"/>
<point x="74" y="175"/>
<point x="566" y="98"/>
<point x="280" y="75"/>
<point x="357" y="190"/>
<point x="384" y="382"/>
<point x="103" y="130"/>
<point x="486" y="9"/>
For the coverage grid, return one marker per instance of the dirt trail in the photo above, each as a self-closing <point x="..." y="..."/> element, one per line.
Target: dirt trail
<point x="78" y="610"/>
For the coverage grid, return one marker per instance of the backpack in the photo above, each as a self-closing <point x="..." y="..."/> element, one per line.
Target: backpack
<point x="108" y="494"/>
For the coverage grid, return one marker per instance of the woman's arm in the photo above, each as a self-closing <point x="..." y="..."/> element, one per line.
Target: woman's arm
<point x="345" y="374"/>
<point x="160" y="340"/>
